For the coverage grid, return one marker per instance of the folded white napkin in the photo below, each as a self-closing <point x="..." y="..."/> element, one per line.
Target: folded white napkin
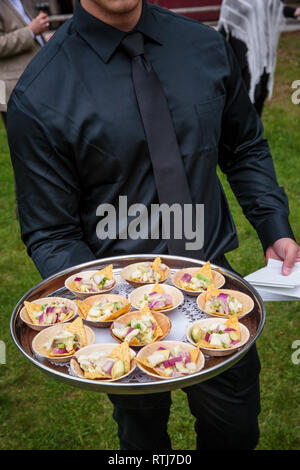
<point x="274" y="286"/>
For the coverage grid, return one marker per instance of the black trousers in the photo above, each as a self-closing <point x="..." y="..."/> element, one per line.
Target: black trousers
<point x="226" y="409"/>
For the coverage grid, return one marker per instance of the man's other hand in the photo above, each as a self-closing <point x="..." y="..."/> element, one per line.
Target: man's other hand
<point x="286" y="250"/>
<point x="39" y="24"/>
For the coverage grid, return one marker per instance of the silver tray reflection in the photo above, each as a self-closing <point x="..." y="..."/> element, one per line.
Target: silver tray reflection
<point x="138" y="382"/>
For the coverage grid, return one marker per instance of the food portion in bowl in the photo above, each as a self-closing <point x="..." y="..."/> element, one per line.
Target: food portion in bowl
<point x="198" y="280"/>
<point x="170" y="361"/>
<point x="100" y="363"/>
<point x="93" y="283"/>
<point x="142" y="328"/>
<point x="49" y="312"/>
<point x="157" y="299"/>
<point x="220" y="302"/>
<point x="149" y="272"/>
<point x="67" y="341"/>
<point x="217" y="334"/>
<point x="104" y="308"/>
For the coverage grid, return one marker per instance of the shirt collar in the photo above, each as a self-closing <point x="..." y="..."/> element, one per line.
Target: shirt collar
<point x="105" y="39"/>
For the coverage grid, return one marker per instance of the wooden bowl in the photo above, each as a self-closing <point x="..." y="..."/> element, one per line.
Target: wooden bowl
<point x="126" y="275"/>
<point x="162" y="320"/>
<point x="26" y="319"/>
<point x="150" y="348"/>
<point x="76" y="369"/>
<point x="245" y="335"/>
<point x="85" y="295"/>
<point x="45" y="335"/>
<point x="218" y="279"/>
<point x="138" y="294"/>
<point x="96" y="298"/>
<point x="244" y="299"/>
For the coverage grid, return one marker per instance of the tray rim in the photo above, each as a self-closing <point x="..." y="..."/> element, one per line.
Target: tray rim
<point x="140" y="387"/>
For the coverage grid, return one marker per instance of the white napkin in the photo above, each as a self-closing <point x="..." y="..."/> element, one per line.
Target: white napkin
<point x="274" y="286"/>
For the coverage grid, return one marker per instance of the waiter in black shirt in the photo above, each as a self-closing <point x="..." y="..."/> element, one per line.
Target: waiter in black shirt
<point x="83" y="138"/>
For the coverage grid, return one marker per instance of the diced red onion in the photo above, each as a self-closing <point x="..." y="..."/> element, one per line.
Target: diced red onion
<point x="166" y="364"/>
<point x="207" y="337"/>
<point x="156" y="304"/>
<point x="161" y="349"/>
<point x="59" y="350"/>
<point x="235" y="342"/>
<point x="185" y="356"/>
<point x="153" y="326"/>
<point x="130" y="329"/>
<point x="50" y="309"/>
<point x="168" y="299"/>
<point x="41" y="318"/>
<point x="173" y="360"/>
<point x="229" y="329"/>
<point x="107" y="366"/>
<point x="186" y="277"/>
<point x="152" y="293"/>
<point x="78" y="279"/>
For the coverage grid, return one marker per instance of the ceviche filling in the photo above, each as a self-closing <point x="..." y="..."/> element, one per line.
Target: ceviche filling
<point x="173" y="362"/>
<point x="102" y="364"/>
<point x="104" y="309"/>
<point x="156" y="300"/>
<point x="224" y="304"/>
<point x="197" y="282"/>
<point x="140" y="330"/>
<point x="93" y="284"/>
<point x="63" y="342"/>
<point x="144" y="272"/>
<point x="49" y="312"/>
<point x="216" y="335"/>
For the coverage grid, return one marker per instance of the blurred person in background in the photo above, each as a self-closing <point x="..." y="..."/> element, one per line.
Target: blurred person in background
<point x="21" y="37"/>
<point x="253" y="27"/>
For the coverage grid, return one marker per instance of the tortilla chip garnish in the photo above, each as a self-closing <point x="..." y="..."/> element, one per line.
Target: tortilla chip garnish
<point x="135" y="342"/>
<point x="83" y="308"/>
<point x="73" y="286"/>
<point x="158" y="288"/>
<point x="95" y="375"/>
<point x="30" y="308"/>
<point x="70" y="353"/>
<point x="205" y="344"/>
<point x="211" y="291"/>
<point x="119" y="312"/>
<point x="233" y="323"/>
<point x="122" y="352"/>
<point x="156" y="264"/>
<point x="148" y="366"/>
<point x="107" y="272"/>
<point x="206" y="271"/>
<point x="194" y="354"/>
<point x="77" y="328"/>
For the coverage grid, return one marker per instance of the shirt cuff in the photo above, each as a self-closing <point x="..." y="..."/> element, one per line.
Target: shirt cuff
<point x="273" y="228"/>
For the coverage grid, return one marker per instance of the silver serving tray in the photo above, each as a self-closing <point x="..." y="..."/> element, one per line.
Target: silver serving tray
<point x="140" y="383"/>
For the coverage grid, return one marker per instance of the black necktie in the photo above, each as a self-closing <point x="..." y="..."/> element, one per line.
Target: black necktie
<point x="170" y="178"/>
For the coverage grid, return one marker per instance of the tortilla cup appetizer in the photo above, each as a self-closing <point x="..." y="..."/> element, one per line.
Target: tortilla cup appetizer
<point x="194" y="281"/>
<point x="170" y="359"/>
<point x="218" y="336"/>
<point x="146" y="272"/>
<point x="159" y="298"/>
<point x="48" y="311"/>
<point x="60" y="342"/>
<point x="87" y="283"/>
<point x="142" y="327"/>
<point x="225" y="302"/>
<point x="101" y="310"/>
<point x="104" y="361"/>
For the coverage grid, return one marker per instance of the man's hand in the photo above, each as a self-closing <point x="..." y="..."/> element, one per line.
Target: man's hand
<point x="286" y="250"/>
<point x="39" y="24"/>
<point x="297" y="12"/>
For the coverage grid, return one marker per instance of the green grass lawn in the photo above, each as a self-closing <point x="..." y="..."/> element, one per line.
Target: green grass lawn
<point x="37" y="412"/>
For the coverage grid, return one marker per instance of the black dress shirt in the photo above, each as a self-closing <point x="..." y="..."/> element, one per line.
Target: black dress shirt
<point x="77" y="140"/>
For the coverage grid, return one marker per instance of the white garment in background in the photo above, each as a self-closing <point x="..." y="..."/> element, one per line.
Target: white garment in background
<point x="258" y="24"/>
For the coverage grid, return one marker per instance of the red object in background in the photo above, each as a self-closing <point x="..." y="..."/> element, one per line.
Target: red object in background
<point x="201" y="10"/>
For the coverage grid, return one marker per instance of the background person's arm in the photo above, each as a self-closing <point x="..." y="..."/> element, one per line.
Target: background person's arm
<point x="246" y="159"/>
<point x="23" y="39"/>
<point x="48" y="194"/>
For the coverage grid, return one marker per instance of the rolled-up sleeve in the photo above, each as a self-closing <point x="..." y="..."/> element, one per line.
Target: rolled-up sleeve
<point x="48" y="193"/>
<point x="246" y="159"/>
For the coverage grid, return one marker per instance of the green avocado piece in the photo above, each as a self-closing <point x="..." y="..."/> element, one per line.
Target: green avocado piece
<point x="196" y="333"/>
<point x="118" y="369"/>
